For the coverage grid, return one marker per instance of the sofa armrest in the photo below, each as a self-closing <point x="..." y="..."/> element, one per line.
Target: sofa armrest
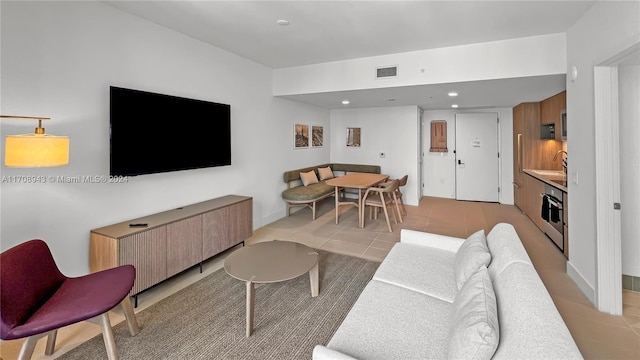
<point x="437" y="241"/>
<point x="324" y="353"/>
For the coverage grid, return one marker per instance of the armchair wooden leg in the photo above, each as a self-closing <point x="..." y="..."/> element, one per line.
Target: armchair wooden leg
<point x="130" y="316"/>
<point x="28" y="346"/>
<point x="107" y="334"/>
<point x="51" y="342"/>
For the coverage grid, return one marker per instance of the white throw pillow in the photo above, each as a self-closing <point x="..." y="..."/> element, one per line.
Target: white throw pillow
<point x="308" y="178"/>
<point x="475" y="332"/>
<point x="473" y="253"/>
<point x="325" y="173"/>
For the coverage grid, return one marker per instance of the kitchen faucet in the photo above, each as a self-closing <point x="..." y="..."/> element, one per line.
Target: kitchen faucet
<point x="564" y="161"/>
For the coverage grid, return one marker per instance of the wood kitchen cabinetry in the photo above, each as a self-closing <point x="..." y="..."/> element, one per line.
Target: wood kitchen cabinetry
<point x="526" y="131"/>
<point x="172" y="241"/>
<point x="533" y="209"/>
<point x="550" y="113"/>
<point x="550" y="110"/>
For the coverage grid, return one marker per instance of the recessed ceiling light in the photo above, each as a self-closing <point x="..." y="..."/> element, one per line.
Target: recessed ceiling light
<point x="282" y="22"/>
<point x="345" y="102"/>
<point x="454" y="106"/>
<point x="453" y="93"/>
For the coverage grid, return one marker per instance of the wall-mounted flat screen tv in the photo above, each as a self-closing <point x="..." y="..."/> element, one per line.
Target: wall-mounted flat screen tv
<point x="155" y="133"/>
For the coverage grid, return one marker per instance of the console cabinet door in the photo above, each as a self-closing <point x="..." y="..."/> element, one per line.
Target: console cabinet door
<point x="184" y="244"/>
<point x="240" y="223"/>
<point x="147" y="252"/>
<point x="214" y="232"/>
<point x="226" y="227"/>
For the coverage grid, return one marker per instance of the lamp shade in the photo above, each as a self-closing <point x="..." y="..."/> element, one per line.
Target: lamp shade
<point x="36" y="150"/>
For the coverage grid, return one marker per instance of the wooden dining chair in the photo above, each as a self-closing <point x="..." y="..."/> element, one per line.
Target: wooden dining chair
<point x="382" y="197"/>
<point x="401" y="182"/>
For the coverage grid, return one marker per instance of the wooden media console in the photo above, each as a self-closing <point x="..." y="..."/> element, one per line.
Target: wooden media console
<point x="164" y="244"/>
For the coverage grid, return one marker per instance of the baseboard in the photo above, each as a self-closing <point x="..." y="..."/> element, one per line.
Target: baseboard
<point x="274" y="216"/>
<point x="587" y="289"/>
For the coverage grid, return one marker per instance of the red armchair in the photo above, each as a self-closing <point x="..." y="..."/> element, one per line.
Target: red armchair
<point x="36" y="299"/>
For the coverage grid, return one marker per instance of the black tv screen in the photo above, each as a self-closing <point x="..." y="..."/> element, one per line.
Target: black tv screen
<point x="155" y="133"/>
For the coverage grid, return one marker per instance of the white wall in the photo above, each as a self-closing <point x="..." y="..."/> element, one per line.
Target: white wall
<point x="607" y="29"/>
<point x="393" y="131"/>
<point x="522" y="57"/>
<point x="629" y="111"/>
<point x="58" y="60"/>
<point x="439" y="169"/>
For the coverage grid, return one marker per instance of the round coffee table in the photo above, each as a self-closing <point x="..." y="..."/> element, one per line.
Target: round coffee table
<point x="269" y="262"/>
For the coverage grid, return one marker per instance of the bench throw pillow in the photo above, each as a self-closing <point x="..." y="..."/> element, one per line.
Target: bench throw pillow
<point x="473" y="253"/>
<point x="325" y="173"/>
<point x="308" y="178"/>
<point x="474" y="332"/>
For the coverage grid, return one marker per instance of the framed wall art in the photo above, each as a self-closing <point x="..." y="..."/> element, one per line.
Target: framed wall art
<point x="317" y="136"/>
<point x="353" y="137"/>
<point x="300" y="136"/>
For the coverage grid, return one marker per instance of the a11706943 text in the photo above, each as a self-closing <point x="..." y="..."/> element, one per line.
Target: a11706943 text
<point x="63" y="179"/>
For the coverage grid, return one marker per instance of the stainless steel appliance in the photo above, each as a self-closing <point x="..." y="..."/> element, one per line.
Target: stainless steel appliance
<point x="563" y="125"/>
<point x="552" y="215"/>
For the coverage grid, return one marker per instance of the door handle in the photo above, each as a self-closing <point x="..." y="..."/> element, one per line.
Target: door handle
<point x="519" y="155"/>
<point x="460" y="162"/>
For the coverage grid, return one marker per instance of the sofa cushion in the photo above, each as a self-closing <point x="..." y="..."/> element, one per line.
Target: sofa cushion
<point x="374" y="169"/>
<point x="308" y="178"/>
<point x="475" y="331"/>
<point x="473" y="254"/>
<point x="325" y="173"/>
<point x="293" y="175"/>
<point x="530" y="325"/>
<point x="308" y="193"/>
<point x="391" y="322"/>
<point x="420" y="268"/>
<point x="506" y="248"/>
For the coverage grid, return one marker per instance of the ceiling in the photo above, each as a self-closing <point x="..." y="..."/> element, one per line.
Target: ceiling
<point x="322" y="31"/>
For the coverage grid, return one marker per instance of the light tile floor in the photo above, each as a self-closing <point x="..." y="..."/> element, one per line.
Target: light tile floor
<point x="598" y="335"/>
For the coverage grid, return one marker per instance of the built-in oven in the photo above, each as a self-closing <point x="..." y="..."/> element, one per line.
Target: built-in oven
<point x="552" y="215"/>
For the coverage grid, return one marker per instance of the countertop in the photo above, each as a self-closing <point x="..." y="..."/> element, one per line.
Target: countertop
<point x="555" y="178"/>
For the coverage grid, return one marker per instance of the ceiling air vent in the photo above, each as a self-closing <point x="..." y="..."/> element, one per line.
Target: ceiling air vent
<point x="386" y="72"/>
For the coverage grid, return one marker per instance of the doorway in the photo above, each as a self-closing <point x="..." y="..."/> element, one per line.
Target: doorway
<point x="608" y="183"/>
<point x="477" y="163"/>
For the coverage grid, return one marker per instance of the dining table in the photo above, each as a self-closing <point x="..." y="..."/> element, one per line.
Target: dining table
<point x="355" y="180"/>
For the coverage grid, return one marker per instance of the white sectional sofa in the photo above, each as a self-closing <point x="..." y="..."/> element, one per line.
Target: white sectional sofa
<point x="439" y="297"/>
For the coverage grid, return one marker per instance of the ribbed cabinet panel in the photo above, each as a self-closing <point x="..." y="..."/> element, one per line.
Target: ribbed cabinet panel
<point x="147" y="252"/>
<point x="184" y="244"/>
<point x="215" y="227"/>
<point x="240" y="223"/>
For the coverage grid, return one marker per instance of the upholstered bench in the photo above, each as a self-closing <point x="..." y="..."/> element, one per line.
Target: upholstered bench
<point x="297" y="194"/>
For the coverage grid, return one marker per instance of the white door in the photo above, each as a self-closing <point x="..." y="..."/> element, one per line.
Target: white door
<point x="477" y="169"/>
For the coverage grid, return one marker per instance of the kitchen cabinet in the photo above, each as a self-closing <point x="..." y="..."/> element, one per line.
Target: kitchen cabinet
<point x="550" y="110"/>
<point x="550" y="113"/>
<point x="526" y="130"/>
<point x="533" y="210"/>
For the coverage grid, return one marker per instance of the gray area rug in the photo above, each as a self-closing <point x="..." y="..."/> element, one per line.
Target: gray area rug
<point x="207" y="319"/>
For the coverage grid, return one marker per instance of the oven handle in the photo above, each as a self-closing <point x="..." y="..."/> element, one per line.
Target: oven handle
<point x="552" y="201"/>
